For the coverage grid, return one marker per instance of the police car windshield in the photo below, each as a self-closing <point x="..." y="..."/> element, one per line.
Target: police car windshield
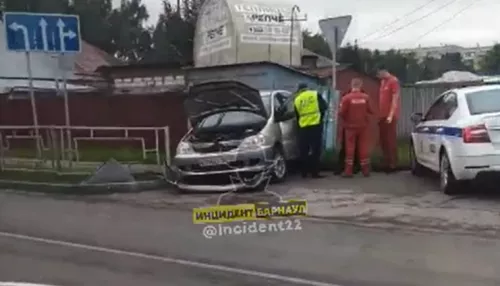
<point x="485" y="101"/>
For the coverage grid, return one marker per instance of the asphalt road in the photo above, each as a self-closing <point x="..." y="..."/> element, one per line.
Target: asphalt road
<point x="65" y="242"/>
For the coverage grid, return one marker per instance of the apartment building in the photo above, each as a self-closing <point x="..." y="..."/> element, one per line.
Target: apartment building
<point x="471" y="55"/>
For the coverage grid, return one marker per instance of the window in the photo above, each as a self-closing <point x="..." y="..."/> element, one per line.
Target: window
<point x="451" y="104"/>
<point x="283" y="100"/>
<point x="266" y="99"/>
<point x="485" y="101"/>
<point x="437" y="110"/>
<point x="443" y="107"/>
<point x="278" y="101"/>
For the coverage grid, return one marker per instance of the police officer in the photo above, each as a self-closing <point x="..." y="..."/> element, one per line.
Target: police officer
<point x="310" y="108"/>
<point x="355" y="111"/>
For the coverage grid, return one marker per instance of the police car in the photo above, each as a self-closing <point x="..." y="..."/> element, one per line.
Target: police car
<point x="458" y="137"/>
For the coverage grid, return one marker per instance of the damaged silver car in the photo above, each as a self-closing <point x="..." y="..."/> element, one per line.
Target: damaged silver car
<point x="240" y="138"/>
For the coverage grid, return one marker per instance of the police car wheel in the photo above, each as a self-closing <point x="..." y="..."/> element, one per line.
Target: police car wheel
<point x="416" y="168"/>
<point x="280" y="169"/>
<point x="447" y="181"/>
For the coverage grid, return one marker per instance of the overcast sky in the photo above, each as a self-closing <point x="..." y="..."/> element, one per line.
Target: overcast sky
<point x="478" y="24"/>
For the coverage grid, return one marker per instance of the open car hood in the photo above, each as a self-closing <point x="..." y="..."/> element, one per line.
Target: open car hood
<point x="212" y="97"/>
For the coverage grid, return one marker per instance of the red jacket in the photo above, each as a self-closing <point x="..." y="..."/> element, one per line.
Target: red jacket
<point x="355" y="110"/>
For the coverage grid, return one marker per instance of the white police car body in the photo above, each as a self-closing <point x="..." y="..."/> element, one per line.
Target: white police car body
<point x="459" y="136"/>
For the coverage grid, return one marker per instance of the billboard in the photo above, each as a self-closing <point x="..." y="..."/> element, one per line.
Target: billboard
<point x="266" y="25"/>
<point x="213" y="28"/>
<point x="239" y="31"/>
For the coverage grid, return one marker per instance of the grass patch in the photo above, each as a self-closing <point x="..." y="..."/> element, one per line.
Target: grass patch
<point x="42" y="177"/>
<point x="93" y="154"/>
<point x="54" y="177"/>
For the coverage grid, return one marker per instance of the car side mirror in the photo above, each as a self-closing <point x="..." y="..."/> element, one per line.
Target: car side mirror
<point x="417" y="117"/>
<point x="282" y="115"/>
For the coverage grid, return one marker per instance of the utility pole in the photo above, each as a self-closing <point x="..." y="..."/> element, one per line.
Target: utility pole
<point x="292" y="19"/>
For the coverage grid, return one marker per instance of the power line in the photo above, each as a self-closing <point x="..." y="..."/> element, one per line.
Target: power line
<point x="417" y="20"/>
<point x="435" y="28"/>
<point x="384" y="28"/>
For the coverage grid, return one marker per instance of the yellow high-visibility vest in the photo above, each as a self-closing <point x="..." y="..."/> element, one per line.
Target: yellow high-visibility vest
<point x="307" y="106"/>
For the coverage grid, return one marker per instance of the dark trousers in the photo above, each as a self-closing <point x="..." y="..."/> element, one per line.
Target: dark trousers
<point x="340" y="165"/>
<point x="310" y="142"/>
<point x="388" y="142"/>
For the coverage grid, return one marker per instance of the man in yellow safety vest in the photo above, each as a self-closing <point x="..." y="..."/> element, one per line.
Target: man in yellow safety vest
<point x="310" y="108"/>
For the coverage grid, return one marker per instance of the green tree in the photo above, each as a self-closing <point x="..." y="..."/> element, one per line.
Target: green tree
<point x="130" y="40"/>
<point x="316" y="43"/>
<point x="490" y="63"/>
<point x="94" y="22"/>
<point x="350" y="54"/>
<point x="174" y="33"/>
<point x="452" y="62"/>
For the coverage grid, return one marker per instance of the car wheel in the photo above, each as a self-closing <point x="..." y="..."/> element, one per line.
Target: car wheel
<point x="447" y="181"/>
<point x="280" y="168"/>
<point x="416" y="168"/>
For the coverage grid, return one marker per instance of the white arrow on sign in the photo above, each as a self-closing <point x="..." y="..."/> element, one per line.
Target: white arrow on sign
<point x="69" y="34"/>
<point x="16" y="27"/>
<point x="43" y="26"/>
<point x="334" y="30"/>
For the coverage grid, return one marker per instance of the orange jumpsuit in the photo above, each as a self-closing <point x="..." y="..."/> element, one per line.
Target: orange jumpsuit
<point x="388" y="89"/>
<point x="355" y="111"/>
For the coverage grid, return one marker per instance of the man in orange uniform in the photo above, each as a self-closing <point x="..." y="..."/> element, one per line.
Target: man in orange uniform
<point x="388" y="116"/>
<point x="355" y="111"/>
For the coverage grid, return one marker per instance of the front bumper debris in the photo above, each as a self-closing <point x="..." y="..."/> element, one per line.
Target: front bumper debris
<point x="221" y="172"/>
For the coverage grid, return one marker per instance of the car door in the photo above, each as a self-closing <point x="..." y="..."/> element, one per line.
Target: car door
<point x="425" y="138"/>
<point x="284" y="100"/>
<point x="439" y="127"/>
<point x="434" y="128"/>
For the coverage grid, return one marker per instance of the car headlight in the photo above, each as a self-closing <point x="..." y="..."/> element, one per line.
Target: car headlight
<point x="184" y="148"/>
<point x="254" y="142"/>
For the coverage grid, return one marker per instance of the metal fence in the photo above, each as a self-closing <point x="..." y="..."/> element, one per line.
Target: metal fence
<point x="415" y="99"/>
<point x="63" y="149"/>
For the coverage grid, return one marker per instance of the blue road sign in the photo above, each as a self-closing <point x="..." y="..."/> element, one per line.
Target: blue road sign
<point x="51" y="33"/>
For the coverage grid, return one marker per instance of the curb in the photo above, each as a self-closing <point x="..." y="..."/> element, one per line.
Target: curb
<point x="78" y="189"/>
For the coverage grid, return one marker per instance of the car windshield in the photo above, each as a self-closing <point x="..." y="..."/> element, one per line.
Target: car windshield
<point x="266" y="99"/>
<point x="231" y="118"/>
<point x="485" y="101"/>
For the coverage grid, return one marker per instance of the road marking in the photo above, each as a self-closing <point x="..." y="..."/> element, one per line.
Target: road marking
<point x="21" y="284"/>
<point x="217" y="267"/>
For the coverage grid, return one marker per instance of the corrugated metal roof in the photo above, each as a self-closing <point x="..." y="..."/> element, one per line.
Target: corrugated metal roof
<point x="321" y="62"/>
<point x="453" y="77"/>
<point x="92" y="58"/>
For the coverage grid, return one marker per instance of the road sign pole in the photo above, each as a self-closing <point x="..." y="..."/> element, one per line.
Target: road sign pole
<point x="66" y="109"/>
<point x="334" y="30"/>
<point x="334" y="60"/>
<point x="33" y="105"/>
<point x="47" y="33"/>
<point x="293" y="19"/>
